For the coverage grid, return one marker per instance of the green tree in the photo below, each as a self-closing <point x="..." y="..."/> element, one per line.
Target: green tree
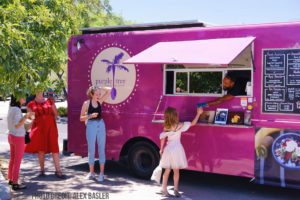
<point x="95" y="13"/>
<point x="34" y="36"/>
<point x="99" y="13"/>
<point x="33" y="42"/>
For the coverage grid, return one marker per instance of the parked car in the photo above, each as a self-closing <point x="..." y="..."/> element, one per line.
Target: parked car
<point x="55" y="96"/>
<point x="4" y="99"/>
<point x="59" y="97"/>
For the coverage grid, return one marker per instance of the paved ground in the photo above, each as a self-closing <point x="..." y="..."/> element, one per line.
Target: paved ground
<point x="119" y="184"/>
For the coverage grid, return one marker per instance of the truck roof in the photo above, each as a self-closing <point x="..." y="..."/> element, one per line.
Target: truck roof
<point x="146" y="26"/>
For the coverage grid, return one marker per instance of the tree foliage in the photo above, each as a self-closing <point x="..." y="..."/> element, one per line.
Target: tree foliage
<point x="206" y="82"/>
<point x="33" y="42"/>
<point x="34" y="36"/>
<point x="199" y="82"/>
<point x="99" y="13"/>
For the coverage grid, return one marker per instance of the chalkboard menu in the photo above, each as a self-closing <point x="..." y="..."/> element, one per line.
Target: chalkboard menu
<point x="281" y="81"/>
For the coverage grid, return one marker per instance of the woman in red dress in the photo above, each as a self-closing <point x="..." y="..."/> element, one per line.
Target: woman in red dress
<point x="44" y="134"/>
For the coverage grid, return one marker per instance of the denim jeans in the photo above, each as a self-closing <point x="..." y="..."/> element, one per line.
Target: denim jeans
<point x="96" y="129"/>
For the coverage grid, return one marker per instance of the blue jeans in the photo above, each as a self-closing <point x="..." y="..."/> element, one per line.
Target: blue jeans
<point x="96" y="129"/>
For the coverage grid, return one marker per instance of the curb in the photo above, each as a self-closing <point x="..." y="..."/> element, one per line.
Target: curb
<point x="5" y="192"/>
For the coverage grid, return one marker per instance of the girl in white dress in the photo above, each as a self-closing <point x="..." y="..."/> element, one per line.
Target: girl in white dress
<point x="173" y="155"/>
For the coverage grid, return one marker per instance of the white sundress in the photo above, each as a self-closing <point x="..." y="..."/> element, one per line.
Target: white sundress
<point x="173" y="156"/>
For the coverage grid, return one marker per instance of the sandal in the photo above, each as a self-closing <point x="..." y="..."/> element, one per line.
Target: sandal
<point x="177" y="194"/>
<point x="18" y="186"/>
<point x="58" y="174"/>
<point x="42" y="173"/>
<point x="165" y="193"/>
<point x="10" y="182"/>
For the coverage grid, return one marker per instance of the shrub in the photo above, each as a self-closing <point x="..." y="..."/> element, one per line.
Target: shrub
<point x="62" y="111"/>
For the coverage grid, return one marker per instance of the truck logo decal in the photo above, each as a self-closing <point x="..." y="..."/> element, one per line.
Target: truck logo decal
<point x="112" y="66"/>
<point x="107" y="70"/>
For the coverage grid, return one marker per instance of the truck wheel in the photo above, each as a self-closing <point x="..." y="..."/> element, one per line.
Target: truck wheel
<point x="143" y="158"/>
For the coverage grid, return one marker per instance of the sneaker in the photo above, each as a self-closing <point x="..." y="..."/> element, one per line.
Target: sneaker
<point x="90" y="176"/>
<point x="100" y="177"/>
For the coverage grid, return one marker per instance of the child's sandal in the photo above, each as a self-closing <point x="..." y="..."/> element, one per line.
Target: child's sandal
<point x="177" y="194"/>
<point x="165" y="193"/>
<point x="18" y="186"/>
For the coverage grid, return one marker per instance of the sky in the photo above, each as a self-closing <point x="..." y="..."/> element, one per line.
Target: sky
<point x="215" y="12"/>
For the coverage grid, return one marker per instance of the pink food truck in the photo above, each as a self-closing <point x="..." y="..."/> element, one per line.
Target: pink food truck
<point x="153" y="66"/>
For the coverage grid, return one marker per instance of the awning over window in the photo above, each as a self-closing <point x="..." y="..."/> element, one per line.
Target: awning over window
<point x="195" y="52"/>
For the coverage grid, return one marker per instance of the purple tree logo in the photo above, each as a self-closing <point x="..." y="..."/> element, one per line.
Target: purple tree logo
<point x="112" y="66"/>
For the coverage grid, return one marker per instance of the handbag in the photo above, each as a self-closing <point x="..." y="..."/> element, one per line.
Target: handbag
<point x="27" y="125"/>
<point x="27" y="138"/>
<point x="156" y="175"/>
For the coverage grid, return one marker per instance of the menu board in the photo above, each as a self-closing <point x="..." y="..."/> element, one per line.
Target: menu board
<point x="281" y="81"/>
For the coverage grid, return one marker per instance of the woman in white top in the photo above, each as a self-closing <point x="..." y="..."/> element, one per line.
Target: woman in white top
<point x="15" y="123"/>
<point x="173" y="155"/>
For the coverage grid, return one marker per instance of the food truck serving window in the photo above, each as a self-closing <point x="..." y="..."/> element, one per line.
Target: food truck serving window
<point x="192" y="81"/>
<point x="183" y="80"/>
<point x="197" y="67"/>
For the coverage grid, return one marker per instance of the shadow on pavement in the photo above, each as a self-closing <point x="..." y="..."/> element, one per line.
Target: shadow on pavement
<point x="119" y="181"/>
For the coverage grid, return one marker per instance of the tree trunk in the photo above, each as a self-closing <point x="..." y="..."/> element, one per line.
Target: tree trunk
<point x="61" y="79"/>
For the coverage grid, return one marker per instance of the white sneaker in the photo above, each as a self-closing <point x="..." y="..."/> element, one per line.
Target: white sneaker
<point x="90" y="176"/>
<point x="100" y="177"/>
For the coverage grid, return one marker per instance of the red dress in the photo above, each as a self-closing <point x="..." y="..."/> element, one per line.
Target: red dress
<point x="44" y="134"/>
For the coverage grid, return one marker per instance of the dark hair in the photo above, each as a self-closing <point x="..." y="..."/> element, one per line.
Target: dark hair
<point x="14" y="102"/>
<point x="230" y="77"/>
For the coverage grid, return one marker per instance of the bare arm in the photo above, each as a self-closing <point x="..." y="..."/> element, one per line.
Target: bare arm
<point x="106" y="95"/>
<point x="83" y="115"/>
<point x="199" y="112"/>
<point x="22" y="121"/>
<point x="55" y="112"/>
<point x="227" y="97"/>
<point x="162" y="143"/>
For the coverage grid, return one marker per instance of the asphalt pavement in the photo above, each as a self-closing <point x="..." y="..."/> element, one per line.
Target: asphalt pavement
<point x="118" y="183"/>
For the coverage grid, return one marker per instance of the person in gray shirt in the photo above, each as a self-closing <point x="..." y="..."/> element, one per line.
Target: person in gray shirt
<point x="16" y="133"/>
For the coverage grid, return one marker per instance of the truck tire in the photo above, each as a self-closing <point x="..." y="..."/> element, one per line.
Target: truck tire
<point x="143" y="158"/>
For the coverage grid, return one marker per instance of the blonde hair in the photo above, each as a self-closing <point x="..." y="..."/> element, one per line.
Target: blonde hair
<point x="91" y="91"/>
<point x="170" y="117"/>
